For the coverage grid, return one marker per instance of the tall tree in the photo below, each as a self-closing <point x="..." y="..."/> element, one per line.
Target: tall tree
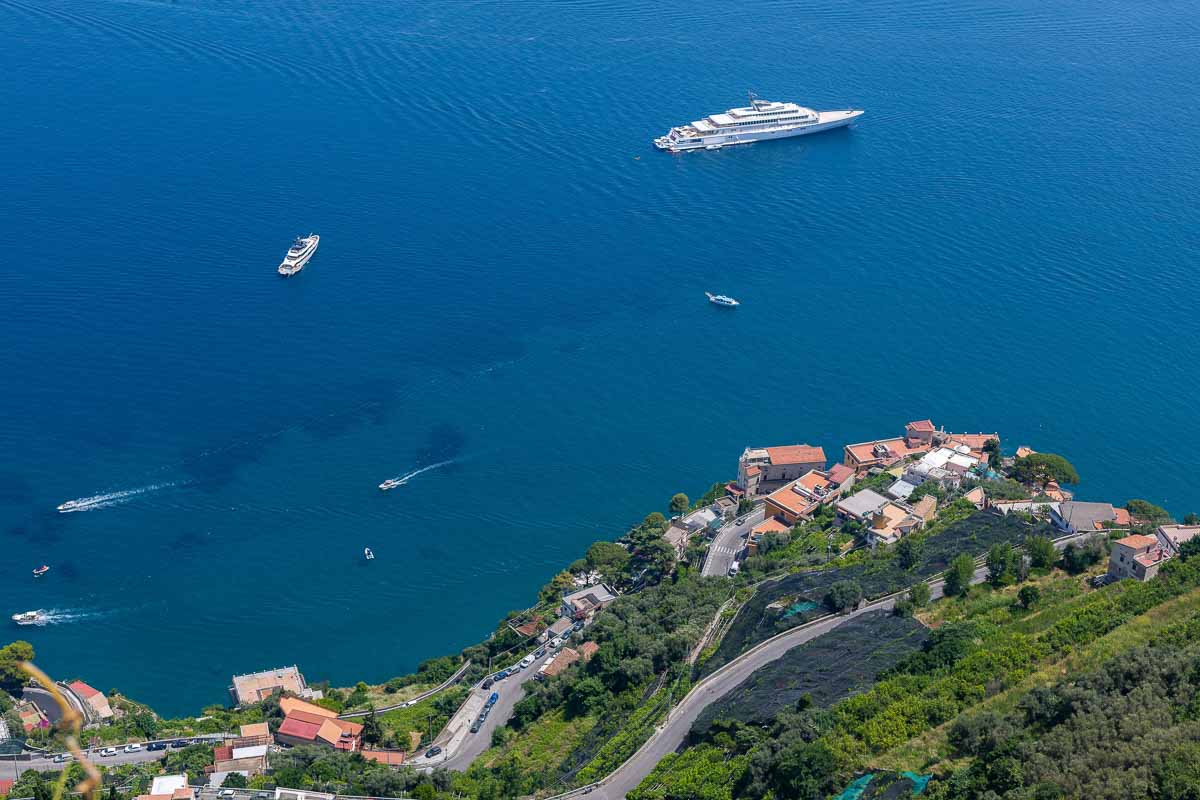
<point x="1041" y="552"/>
<point x="958" y="576"/>
<point x="1041" y="468"/>
<point x="679" y="503"/>
<point x="11" y="656"/>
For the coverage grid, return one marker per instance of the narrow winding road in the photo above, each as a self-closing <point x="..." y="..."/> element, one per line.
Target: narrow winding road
<point x="672" y="732"/>
<point x="728" y="542"/>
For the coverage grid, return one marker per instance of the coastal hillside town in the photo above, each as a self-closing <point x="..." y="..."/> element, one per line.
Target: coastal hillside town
<point x="587" y="689"/>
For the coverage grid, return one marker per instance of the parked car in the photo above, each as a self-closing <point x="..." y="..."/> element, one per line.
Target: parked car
<point x="557" y="643"/>
<point x="227" y="793"/>
<point x="487" y="683"/>
<point x="178" y="743"/>
<point x="61" y="757"/>
<point x="133" y="748"/>
<point x="492" y="700"/>
<point x="108" y="751"/>
<point x="527" y="660"/>
<point x="156" y="746"/>
<point x="578" y="626"/>
<point x="476" y="725"/>
<point x="433" y="751"/>
<point x="733" y="569"/>
<point x="541" y="651"/>
<point x="499" y="676"/>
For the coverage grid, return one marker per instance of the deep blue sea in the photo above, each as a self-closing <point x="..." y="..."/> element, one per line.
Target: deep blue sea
<point x="510" y="279"/>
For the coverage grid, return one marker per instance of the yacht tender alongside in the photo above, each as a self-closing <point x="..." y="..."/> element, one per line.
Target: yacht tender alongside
<point x="759" y="120"/>
<point x="298" y="254"/>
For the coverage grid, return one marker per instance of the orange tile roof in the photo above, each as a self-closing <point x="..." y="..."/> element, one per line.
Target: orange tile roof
<point x="298" y="728"/>
<point x="975" y="441"/>
<point x="1151" y="558"/>
<point x="255" y="729"/>
<point x="587" y="650"/>
<point x="222" y="753"/>
<point x="393" y="758"/>
<point x="1138" y="541"/>
<point x="925" y="507"/>
<point x="290" y="704"/>
<point x="565" y="658"/>
<point x="839" y="473"/>
<point x="304" y="716"/>
<point x="752" y="470"/>
<point x="789" y="499"/>
<point x="82" y="689"/>
<point x="923" y="425"/>
<point x="769" y="525"/>
<point x="1122" y="516"/>
<point x="795" y="454"/>
<point x="864" y="451"/>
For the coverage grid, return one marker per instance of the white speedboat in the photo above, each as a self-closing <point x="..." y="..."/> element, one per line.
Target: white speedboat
<point x="369" y="555"/>
<point x="298" y="254"/>
<point x="391" y="483"/>
<point x="758" y="121"/>
<point x="721" y="300"/>
<point x="30" y="618"/>
<point x="40" y="571"/>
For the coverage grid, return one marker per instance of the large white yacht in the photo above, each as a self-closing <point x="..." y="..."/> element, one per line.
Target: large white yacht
<point x="298" y="255"/>
<point x="757" y="121"/>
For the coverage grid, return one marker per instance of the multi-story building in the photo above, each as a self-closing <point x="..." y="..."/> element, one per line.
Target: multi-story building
<point x="763" y="469"/>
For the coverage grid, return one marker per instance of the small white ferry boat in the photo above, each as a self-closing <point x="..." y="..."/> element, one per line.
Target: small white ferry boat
<point x="30" y="618"/>
<point x="298" y="254"/>
<point x="721" y="300"/>
<point x="758" y="121"/>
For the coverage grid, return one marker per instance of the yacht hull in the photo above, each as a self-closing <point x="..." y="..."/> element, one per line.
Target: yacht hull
<point x="291" y="266"/>
<point x="828" y="120"/>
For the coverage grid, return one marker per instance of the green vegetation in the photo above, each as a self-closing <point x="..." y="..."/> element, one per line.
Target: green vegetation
<point x="1146" y="511"/>
<point x="325" y="770"/>
<point x="843" y="596"/>
<point x="989" y="643"/>
<point x="817" y="673"/>
<point x="774" y="606"/>
<point x="11" y="676"/>
<point x="679" y="503"/>
<point x="425" y="718"/>
<point x="1041" y="468"/>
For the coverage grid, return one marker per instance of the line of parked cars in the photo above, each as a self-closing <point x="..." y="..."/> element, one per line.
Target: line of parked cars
<point x="528" y="660"/>
<point x="135" y="747"/>
<point x="483" y="715"/>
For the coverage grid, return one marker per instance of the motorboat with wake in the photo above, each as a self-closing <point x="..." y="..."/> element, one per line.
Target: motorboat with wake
<point x="40" y="571"/>
<point x="721" y="300"/>
<point x="367" y="552"/>
<point x="391" y="483"/>
<point x="38" y="617"/>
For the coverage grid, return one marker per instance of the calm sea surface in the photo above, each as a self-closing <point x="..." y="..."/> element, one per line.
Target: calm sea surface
<point x="511" y="279"/>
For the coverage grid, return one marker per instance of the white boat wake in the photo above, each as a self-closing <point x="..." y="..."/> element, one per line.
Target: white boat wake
<point x="109" y="499"/>
<point x="404" y="479"/>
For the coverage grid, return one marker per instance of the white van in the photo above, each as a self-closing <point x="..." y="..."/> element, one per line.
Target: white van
<point x="527" y="660"/>
<point x="733" y="569"/>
